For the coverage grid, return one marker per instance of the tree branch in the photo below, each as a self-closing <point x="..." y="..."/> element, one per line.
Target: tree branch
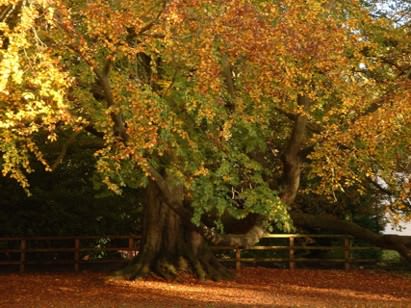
<point x="5" y="11"/>
<point x="402" y="244"/>
<point x="247" y="239"/>
<point x="291" y="157"/>
<point x="387" y="192"/>
<point x="227" y="72"/>
<point x="63" y="151"/>
<point x="104" y="81"/>
<point x="151" y="24"/>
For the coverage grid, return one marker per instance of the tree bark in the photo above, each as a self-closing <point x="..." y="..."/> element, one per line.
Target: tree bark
<point x="170" y="246"/>
<point x="291" y="157"/>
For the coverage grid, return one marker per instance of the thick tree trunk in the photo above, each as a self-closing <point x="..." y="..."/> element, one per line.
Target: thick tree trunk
<point x="170" y="246"/>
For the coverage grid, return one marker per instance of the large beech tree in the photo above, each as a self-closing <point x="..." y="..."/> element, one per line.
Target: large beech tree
<point x="223" y="110"/>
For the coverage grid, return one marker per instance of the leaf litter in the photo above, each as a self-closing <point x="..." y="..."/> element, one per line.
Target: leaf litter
<point x="252" y="287"/>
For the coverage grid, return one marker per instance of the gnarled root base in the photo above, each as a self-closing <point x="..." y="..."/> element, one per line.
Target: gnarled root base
<point x="203" y="266"/>
<point x="169" y="247"/>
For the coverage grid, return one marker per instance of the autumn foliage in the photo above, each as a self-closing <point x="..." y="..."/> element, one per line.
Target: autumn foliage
<point x="244" y="107"/>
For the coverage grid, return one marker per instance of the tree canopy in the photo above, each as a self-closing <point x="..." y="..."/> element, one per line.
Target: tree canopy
<point x="233" y="107"/>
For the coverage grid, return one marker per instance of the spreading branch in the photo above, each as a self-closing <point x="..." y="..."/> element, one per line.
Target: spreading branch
<point x="402" y="244"/>
<point x="292" y="172"/>
<point x="153" y="22"/>
<point x="103" y="78"/>
<point x="291" y="157"/>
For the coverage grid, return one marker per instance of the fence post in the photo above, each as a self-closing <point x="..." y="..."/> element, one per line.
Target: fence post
<point x="76" y="255"/>
<point x="131" y="248"/>
<point x="347" y="253"/>
<point x="23" y="249"/>
<point x="237" y="259"/>
<point x="291" y="251"/>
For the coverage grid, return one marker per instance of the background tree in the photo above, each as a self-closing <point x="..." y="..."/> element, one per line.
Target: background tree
<point x="69" y="201"/>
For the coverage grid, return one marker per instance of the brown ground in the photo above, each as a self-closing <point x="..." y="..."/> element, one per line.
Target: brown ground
<point x="253" y="287"/>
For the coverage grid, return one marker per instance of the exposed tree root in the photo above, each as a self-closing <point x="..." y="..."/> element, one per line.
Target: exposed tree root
<point x="203" y="267"/>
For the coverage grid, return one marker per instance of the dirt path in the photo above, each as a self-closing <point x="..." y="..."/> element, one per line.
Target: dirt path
<point x="253" y="287"/>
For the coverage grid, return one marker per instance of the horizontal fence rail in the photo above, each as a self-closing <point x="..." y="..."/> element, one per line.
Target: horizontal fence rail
<point x="296" y="243"/>
<point x="289" y="249"/>
<point x="67" y="250"/>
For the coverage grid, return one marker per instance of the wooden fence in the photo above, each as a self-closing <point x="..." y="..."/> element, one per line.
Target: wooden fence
<point x="77" y="251"/>
<point x="296" y="243"/>
<point x="67" y="250"/>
